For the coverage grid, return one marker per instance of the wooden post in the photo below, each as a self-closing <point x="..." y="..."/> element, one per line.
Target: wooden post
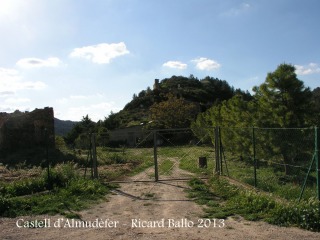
<point x="94" y="156"/>
<point x="155" y="156"/>
<point x="220" y="152"/>
<point x="254" y="157"/>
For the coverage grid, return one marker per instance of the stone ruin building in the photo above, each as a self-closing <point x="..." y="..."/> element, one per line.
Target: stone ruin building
<point x="21" y="130"/>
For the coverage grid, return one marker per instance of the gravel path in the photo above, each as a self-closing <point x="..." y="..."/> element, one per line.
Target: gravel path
<point x="147" y="210"/>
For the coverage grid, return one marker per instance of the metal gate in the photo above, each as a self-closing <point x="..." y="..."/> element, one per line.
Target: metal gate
<point x="171" y="154"/>
<point x="180" y="155"/>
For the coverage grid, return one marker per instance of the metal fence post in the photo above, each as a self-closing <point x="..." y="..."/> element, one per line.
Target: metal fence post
<point x="316" y="155"/>
<point x="306" y="178"/>
<point x="155" y="156"/>
<point x="217" y="149"/>
<point x="220" y="151"/>
<point x="254" y="157"/>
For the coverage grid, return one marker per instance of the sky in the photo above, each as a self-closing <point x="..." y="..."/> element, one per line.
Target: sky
<point x="90" y="56"/>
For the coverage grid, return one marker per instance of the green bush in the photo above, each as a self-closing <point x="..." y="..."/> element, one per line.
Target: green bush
<point x="117" y="158"/>
<point x="304" y="214"/>
<point x="84" y="187"/>
<point x="23" y="187"/>
<point x="4" y="204"/>
<point x="60" y="176"/>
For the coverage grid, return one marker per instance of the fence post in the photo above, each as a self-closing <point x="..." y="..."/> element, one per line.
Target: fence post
<point x="94" y="156"/>
<point x="316" y="155"/>
<point x="155" y="156"/>
<point x="306" y="178"/>
<point x="254" y="157"/>
<point x="217" y="149"/>
<point x="220" y="151"/>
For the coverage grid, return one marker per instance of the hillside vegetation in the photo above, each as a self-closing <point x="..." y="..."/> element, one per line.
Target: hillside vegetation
<point x="177" y="102"/>
<point x="202" y="93"/>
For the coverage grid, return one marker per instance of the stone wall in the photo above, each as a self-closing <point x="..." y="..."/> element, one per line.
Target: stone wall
<point x="20" y="130"/>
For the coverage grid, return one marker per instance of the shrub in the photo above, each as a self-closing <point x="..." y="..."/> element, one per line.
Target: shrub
<point x="118" y="158"/>
<point x="304" y="214"/>
<point x="60" y="176"/>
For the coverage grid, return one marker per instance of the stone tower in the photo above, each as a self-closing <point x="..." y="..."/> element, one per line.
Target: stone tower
<point x="156" y="84"/>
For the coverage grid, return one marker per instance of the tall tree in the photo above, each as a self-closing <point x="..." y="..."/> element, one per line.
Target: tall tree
<point x="281" y="102"/>
<point x="315" y="118"/>
<point x="82" y="128"/>
<point x="173" y="113"/>
<point x="111" y="122"/>
<point x="234" y="116"/>
<point x="283" y="99"/>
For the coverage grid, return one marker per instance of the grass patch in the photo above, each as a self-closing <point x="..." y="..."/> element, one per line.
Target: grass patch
<point x="63" y="193"/>
<point x="222" y="200"/>
<point x="188" y="157"/>
<point x="165" y="167"/>
<point x="117" y="163"/>
<point x="150" y="195"/>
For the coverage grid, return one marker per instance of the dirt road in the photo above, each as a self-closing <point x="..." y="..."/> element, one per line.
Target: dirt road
<point x="146" y="211"/>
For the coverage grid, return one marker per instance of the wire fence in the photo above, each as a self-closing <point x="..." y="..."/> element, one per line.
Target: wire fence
<point x="281" y="161"/>
<point x="180" y="155"/>
<point x="128" y="155"/>
<point x="164" y="154"/>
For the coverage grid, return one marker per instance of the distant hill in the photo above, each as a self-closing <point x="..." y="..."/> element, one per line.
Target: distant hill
<point x="204" y="93"/>
<point x="62" y="127"/>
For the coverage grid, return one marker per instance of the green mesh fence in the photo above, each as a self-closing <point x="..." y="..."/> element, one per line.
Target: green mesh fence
<point x="276" y="160"/>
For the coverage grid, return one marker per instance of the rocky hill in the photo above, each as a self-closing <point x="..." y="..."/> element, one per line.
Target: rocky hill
<point x="62" y="127"/>
<point x="203" y="92"/>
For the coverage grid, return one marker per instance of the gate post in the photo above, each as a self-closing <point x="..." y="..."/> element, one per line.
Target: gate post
<point x="316" y="150"/>
<point x="155" y="156"/>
